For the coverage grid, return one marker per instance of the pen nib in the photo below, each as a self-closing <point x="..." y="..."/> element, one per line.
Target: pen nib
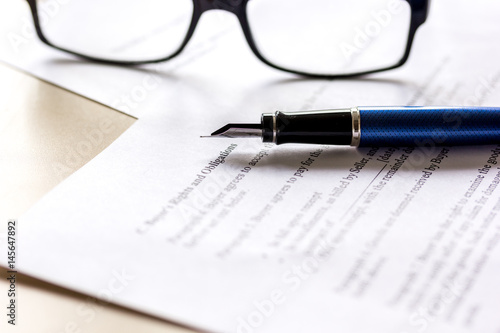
<point x="238" y="131"/>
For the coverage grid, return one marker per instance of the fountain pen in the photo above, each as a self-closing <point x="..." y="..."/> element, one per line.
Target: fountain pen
<point x="376" y="126"/>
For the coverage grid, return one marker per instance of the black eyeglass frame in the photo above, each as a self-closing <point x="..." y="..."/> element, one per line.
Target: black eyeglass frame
<point x="419" y="13"/>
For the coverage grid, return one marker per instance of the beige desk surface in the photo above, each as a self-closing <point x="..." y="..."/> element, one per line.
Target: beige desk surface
<point x="44" y="137"/>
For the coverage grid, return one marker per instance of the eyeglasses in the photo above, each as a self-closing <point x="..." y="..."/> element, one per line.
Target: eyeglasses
<point x="321" y="38"/>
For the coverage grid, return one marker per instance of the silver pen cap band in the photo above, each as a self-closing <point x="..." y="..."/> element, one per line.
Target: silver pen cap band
<point x="356" y="127"/>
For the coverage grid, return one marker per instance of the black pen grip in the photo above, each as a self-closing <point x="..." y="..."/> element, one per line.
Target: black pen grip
<point x="332" y="127"/>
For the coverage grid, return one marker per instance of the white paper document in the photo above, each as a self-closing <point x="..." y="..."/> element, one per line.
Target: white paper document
<point x="231" y="235"/>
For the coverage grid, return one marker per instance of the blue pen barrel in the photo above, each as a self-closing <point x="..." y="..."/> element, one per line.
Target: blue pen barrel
<point x="423" y="126"/>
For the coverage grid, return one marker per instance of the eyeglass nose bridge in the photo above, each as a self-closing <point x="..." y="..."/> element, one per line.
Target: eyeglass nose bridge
<point x="233" y="6"/>
<point x="237" y="7"/>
